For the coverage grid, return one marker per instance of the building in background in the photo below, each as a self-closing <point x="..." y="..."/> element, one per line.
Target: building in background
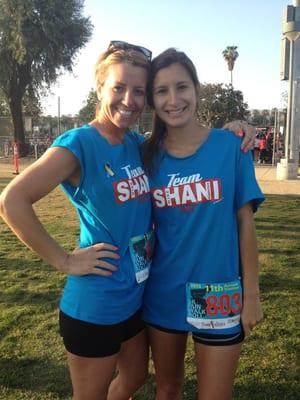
<point x="290" y="70"/>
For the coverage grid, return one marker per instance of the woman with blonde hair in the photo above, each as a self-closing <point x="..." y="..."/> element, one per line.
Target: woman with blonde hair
<point x="99" y="168"/>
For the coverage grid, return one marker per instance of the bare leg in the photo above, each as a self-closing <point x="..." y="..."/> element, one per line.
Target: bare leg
<point x="168" y="351"/>
<point x="91" y="377"/>
<point x="132" y="368"/>
<point x="216" y="366"/>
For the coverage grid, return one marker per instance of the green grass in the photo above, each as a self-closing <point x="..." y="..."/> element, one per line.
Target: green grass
<point x="32" y="358"/>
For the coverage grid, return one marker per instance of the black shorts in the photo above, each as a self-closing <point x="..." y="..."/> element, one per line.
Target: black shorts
<point x="208" y="339"/>
<point x="91" y="340"/>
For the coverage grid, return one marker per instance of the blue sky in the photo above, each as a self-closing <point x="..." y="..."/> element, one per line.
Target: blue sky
<point x="201" y="28"/>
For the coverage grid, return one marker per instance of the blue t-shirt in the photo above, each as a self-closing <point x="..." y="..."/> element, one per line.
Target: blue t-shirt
<point x="196" y="260"/>
<point x="113" y="205"/>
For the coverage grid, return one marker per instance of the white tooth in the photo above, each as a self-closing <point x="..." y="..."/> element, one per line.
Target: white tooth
<point x="175" y="111"/>
<point x="125" y="113"/>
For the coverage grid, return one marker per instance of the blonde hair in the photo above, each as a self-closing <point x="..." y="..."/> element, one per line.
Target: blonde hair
<point x="119" y="56"/>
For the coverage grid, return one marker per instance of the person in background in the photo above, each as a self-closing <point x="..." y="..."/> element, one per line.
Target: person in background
<point x="256" y="148"/>
<point x="204" y="273"/>
<point x="262" y="148"/>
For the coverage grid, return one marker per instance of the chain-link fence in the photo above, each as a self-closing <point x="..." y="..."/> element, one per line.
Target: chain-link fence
<point x="36" y="145"/>
<point x="6" y="146"/>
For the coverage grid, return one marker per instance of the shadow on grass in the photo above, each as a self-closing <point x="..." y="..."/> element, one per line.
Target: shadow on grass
<point x="281" y="199"/>
<point x="250" y="390"/>
<point x="253" y="390"/>
<point x="276" y="251"/>
<point x="16" y="263"/>
<point x="30" y="282"/>
<point x="262" y="391"/>
<point x="28" y="291"/>
<point x="283" y="230"/>
<point x="35" y="374"/>
<point x="271" y="282"/>
<point x="290" y="222"/>
<point x="22" y="297"/>
<point x="147" y="392"/>
<point x="275" y="207"/>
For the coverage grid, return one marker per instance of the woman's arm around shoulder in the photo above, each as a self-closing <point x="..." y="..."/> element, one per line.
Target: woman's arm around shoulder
<point x="244" y="130"/>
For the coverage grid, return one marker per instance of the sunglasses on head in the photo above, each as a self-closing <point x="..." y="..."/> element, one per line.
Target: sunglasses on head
<point x="120" y="45"/>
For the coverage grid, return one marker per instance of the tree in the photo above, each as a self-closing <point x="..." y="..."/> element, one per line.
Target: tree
<point x="256" y="118"/>
<point x="219" y="103"/>
<point x="230" y="55"/>
<point x="4" y="109"/>
<point x="87" y="112"/>
<point x="262" y="118"/>
<point x="67" y="122"/>
<point x="38" y="40"/>
<point x="31" y="105"/>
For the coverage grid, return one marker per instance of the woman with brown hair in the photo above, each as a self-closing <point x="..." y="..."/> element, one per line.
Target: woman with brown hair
<point x="204" y="273"/>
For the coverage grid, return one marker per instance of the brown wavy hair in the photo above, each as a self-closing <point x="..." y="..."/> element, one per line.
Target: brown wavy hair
<point x="152" y="147"/>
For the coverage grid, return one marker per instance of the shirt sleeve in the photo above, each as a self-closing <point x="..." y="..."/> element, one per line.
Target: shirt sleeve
<point x="71" y="140"/>
<point x="247" y="188"/>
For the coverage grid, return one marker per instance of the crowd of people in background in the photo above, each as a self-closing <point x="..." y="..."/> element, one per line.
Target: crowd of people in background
<point x="263" y="146"/>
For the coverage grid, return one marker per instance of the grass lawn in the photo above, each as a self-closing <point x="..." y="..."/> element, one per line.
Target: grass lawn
<point x="32" y="358"/>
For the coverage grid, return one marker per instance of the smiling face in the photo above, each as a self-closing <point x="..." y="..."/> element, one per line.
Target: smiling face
<point x="122" y="95"/>
<point x="174" y="96"/>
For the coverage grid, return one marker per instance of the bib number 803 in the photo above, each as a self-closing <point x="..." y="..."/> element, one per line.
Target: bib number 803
<point x="224" y="304"/>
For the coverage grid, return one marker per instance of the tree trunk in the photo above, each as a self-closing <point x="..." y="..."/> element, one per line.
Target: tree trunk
<point x="18" y="80"/>
<point x="15" y="105"/>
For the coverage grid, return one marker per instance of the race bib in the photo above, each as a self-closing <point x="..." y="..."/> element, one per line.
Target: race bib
<point x="214" y="305"/>
<point x="141" y="251"/>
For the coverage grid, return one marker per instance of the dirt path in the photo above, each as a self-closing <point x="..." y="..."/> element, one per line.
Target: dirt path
<point x="266" y="176"/>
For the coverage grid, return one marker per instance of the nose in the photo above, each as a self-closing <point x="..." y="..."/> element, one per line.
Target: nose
<point x="173" y="98"/>
<point x="128" y="98"/>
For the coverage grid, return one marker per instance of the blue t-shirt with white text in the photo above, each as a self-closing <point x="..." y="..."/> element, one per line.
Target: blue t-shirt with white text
<point x="196" y="260"/>
<point x="113" y="205"/>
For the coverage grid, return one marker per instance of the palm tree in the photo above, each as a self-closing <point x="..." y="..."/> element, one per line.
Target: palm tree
<point x="230" y="55"/>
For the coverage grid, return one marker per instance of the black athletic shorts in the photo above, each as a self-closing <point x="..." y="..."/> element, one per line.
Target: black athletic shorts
<point x="91" y="340"/>
<point x="207" y="338"/>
